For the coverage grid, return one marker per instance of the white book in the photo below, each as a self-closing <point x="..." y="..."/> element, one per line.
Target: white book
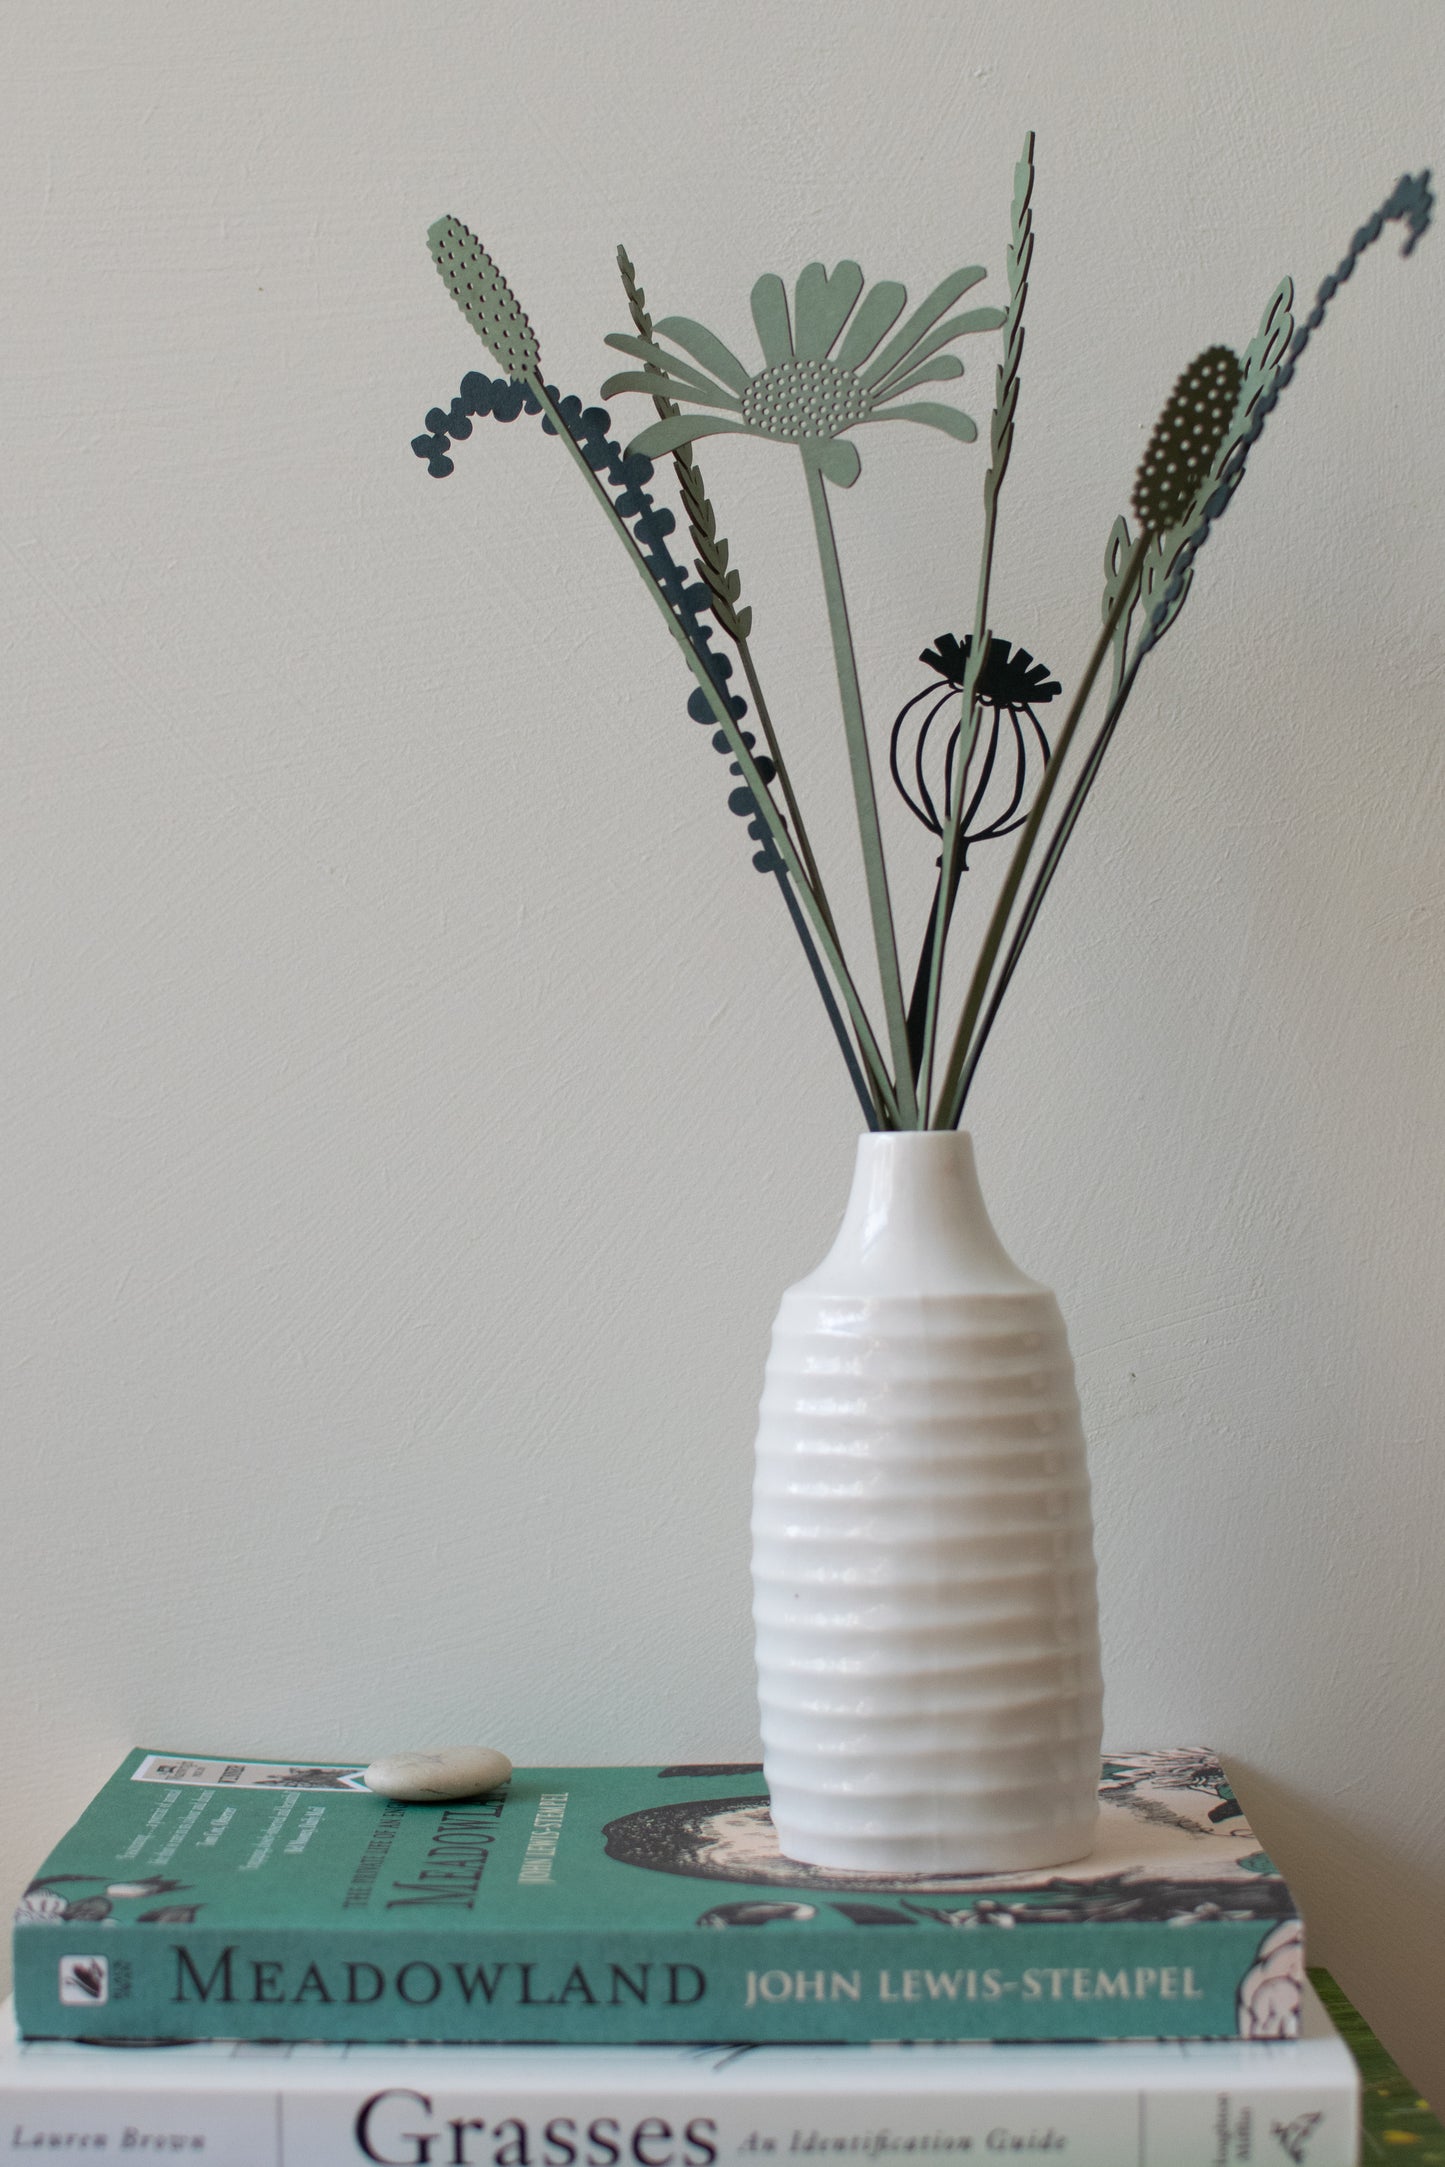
<point x="1168" y="2103"/>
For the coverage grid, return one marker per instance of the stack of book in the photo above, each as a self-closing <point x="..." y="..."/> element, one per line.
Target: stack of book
<point x="616" y="1968"/>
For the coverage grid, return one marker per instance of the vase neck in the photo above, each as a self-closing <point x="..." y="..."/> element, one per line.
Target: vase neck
<point x="916" y="1223"/>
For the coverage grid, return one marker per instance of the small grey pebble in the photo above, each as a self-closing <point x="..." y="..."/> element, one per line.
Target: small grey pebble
<point x="427" y="1779"/>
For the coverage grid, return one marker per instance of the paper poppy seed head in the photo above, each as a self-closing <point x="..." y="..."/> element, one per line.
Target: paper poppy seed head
<point x="484" y="298"/>
<point x="1186" y="439"/>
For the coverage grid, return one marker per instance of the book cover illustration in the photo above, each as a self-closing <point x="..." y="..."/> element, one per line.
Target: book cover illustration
<point x="203" y="1896"/>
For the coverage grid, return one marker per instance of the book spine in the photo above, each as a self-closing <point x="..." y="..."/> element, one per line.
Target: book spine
<point x="1041" y="1983"/>
<point x="421" y="2123"/>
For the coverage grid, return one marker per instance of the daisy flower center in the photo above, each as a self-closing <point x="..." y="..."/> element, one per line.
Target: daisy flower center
<point x="798" y="399"/>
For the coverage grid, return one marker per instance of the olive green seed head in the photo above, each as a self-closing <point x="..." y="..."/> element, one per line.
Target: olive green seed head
<point x="1186" y="439"/>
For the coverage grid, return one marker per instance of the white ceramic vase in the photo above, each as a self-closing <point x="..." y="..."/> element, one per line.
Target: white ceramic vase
<point x="923" y="1569"/>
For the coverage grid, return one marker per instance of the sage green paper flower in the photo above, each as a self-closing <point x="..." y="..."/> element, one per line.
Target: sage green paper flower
<point x="805" y="393"/>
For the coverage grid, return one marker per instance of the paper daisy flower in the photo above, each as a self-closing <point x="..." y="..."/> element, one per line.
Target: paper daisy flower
<point x="835" y="364"/>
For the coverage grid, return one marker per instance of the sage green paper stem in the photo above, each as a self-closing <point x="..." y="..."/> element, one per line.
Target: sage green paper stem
<point x="1039" y="887"/>
<point x="950" y="1098"/>
<point x="1001" y="432"/>
<point x="713" y="562"/>
<point x="949" y="870"/>
<point x="777" y="828"/>
<point x="864" y="797"/>
<point x="805" y="848"/>
<point x="699" y="511"/>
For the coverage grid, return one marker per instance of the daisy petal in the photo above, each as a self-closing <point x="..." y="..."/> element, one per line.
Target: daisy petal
<point x="821" y="307"/>
<point x="879" y="313"/>
<point x="626" y="343"/>
<point x="663" y="387"/>
<point x="660" y="358"/>
<point x="770" y="315"/>
<point x="705" y="346"/>
<point x="947" y="418"/>
<point x="923" y="319"/>
<point x="937" y="371"/>
<point x="957" y="327"/>
<point x="836" y="458"/>
<point x="665" y="436"/>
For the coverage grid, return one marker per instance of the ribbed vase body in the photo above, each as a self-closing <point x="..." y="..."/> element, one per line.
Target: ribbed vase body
<point x="923" y="1569"/>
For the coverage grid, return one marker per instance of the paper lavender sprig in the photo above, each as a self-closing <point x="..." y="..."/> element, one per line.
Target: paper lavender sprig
<point x="1001" y="436"/>
<point x="723" y="582"/>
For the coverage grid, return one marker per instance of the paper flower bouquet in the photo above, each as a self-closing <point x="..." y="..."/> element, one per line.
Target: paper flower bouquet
<point x="926" y="1621"/>
<point x="835" y="358"/>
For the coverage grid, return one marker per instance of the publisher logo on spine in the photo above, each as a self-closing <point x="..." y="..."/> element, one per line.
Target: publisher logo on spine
<point x="1295" y="2135"/>
<point x="84" y="1981"/>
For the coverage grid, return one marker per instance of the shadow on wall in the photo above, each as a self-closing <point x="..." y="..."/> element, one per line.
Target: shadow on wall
<point x="1361" y="1894"/>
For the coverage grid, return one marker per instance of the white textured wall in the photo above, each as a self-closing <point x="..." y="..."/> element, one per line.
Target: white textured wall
<point x="413" y="1104"/>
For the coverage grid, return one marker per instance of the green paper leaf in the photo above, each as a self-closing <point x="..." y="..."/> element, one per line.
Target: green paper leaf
<point x="1264" y="356"/>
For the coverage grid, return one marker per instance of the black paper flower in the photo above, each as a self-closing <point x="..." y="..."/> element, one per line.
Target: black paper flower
<point x="1010" y="686"/>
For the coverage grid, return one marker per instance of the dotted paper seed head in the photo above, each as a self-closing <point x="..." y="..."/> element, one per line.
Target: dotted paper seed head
<point x="484" y="298"/>
<point x="1186" y="439"/>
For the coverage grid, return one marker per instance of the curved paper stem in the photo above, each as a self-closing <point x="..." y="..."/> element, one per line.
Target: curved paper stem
<point x="951" y="861"/>
<point x="950" y="1092"/>
<point x="785" y="784"/>
<point x="864" y="798"/>
<point x="722" y="584"/>
<point x="777" y="827"/>
<point x="1033" y="901"/>
<point x="1410" y="200"/>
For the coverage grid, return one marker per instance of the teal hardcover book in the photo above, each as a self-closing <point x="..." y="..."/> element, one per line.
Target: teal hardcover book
<point x="199" y="1897"/>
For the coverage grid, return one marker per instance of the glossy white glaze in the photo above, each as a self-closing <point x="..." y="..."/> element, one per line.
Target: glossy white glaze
<point x="923" y="1568"/>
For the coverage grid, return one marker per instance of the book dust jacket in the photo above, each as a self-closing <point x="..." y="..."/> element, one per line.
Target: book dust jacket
<point x="200" y="1897"/>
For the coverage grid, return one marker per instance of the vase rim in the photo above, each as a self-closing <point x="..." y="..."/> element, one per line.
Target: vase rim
<point x="916" y="1136"/>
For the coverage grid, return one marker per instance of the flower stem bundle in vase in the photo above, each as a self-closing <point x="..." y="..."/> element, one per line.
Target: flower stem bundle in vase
<point x="926" y="1622"/>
